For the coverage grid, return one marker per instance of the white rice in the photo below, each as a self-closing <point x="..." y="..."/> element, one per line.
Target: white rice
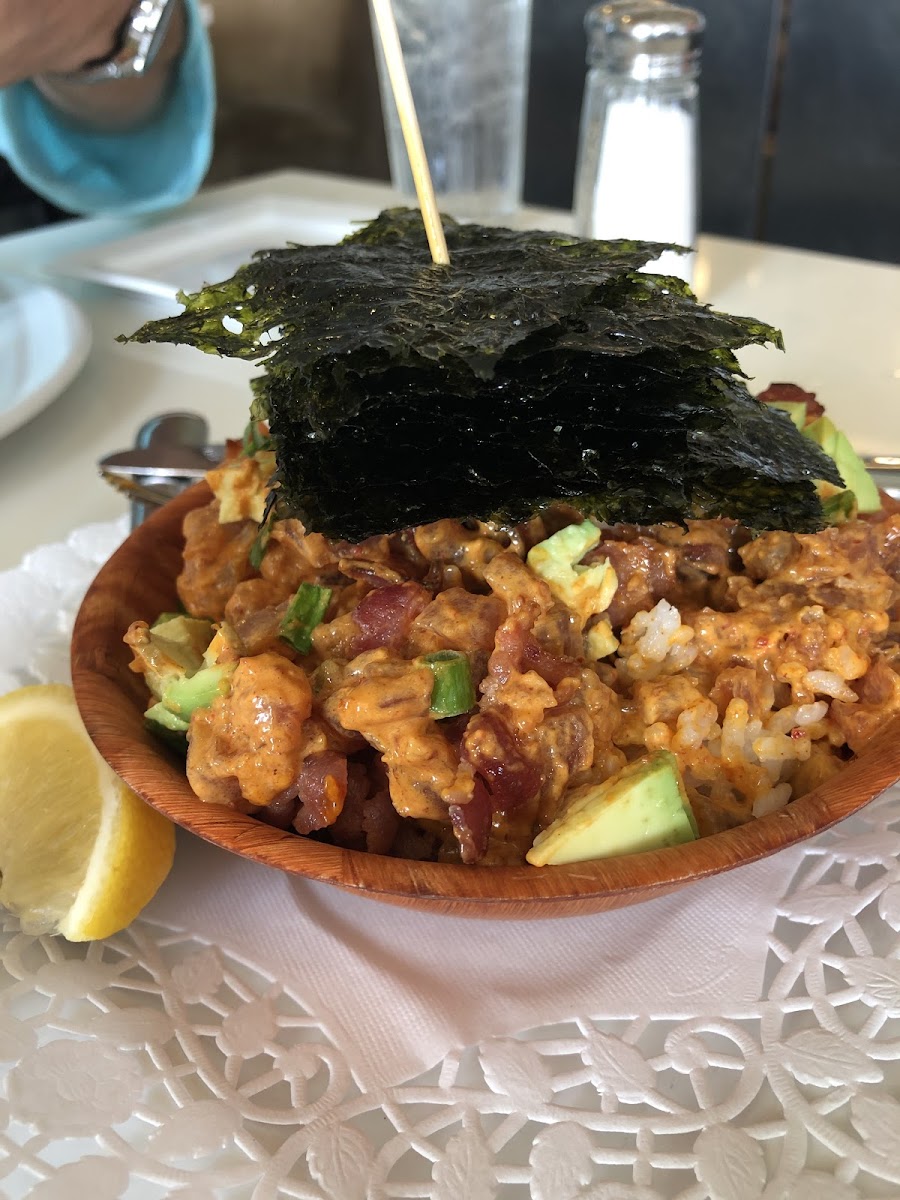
<point x="794" y="715"/>
<point x="695" y="726"/>
<point x="772" y="801"/>
<point x="845" y="662"/>
<point x="752" y="758"/>
<point x="780" y="748"/>
<point x="655" y="643"/>
<point x="829" y="683"/>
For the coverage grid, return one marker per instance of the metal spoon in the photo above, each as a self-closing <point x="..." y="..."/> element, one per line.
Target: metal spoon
<point x="171" y="451"/>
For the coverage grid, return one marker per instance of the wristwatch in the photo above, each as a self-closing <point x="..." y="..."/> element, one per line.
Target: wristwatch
<point x="138" y="40"/>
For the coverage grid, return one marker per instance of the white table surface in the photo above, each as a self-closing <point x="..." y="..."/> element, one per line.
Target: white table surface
<point x="840" y="318"/>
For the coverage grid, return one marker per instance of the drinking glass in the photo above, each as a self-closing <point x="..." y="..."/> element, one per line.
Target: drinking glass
<point x="467" y="62"/>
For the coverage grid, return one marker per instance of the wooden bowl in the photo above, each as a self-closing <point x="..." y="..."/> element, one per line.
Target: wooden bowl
<point x="138" y="582"/>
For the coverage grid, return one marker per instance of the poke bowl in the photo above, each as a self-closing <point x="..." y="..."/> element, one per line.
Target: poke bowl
<point x="139" y="582"/>
<point x="513" y="601"/>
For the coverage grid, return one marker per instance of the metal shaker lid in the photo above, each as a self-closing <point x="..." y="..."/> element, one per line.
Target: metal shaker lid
<point x="645" y="39"/>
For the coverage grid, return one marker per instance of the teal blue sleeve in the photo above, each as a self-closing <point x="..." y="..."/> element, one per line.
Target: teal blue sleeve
<point x="159" y="164"/>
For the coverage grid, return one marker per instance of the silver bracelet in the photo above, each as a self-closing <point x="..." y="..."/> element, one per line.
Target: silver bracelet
<point x="139" y="38"/>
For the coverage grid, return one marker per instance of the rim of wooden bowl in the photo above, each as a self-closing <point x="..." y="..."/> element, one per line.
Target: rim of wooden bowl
<point x="138" y="582"/>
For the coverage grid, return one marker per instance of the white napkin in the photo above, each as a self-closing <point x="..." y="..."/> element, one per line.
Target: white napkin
<point x="397" y="989"/>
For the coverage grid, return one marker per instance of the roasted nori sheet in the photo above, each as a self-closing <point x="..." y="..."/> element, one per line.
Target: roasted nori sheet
<point x="536" y="367"/>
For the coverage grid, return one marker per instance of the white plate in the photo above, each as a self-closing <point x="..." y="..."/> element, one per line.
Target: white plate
<point x="182" y="255"/>
<point x="44" y="340"/>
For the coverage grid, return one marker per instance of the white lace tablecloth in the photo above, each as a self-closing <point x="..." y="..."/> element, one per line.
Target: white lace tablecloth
<point x="161" y="1064"/>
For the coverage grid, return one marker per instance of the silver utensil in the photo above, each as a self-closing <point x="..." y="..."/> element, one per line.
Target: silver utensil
<point x="885" y="470"/>
<point x="170" y="461"/>
<point x="171" y="452"/>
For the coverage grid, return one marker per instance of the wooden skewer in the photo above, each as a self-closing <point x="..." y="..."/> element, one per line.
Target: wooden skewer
<point x="412" y="134"/>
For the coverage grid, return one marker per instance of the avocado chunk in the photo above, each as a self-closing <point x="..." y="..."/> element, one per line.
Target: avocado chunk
<point x="795" y="409"/>
<point x="167" y="727"/>
<point x="857" y="479"/>
<point x="185" y="638"/>
<point x="177" y="656"/>
<point x="164" y="617"/>
<point x="160" y="715"/>
<point x="587" y="589"/>
<point x="182" y="695"/>
<point x="643" y="807"/>
<point x="168" y="649"/>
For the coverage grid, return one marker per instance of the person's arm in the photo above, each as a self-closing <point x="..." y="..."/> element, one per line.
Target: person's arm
<point x="119" y="103"/>
<point x="92" y="163"/>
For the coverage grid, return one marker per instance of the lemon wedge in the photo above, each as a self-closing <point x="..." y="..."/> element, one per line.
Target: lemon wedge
<point x="80" y="853"/>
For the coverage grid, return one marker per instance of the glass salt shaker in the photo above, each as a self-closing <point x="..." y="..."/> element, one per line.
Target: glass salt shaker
<point x="637" y="160"/>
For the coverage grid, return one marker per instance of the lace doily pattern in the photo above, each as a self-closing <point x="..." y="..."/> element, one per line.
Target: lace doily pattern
<point x="153" y="1065"/>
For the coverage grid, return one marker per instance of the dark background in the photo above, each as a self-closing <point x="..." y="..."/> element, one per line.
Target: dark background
<point x="800" y="119"/>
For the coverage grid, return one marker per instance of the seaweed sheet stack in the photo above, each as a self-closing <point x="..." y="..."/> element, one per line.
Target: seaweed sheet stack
<point x="536" y="367"/>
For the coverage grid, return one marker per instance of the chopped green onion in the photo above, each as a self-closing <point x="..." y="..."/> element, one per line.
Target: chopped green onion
<point x="304" y="613"/>
<point x="258" y="549"/>
<point x="254" y="440"/>
<point x="453" y="692"/>
<point x="839" y="507"/>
